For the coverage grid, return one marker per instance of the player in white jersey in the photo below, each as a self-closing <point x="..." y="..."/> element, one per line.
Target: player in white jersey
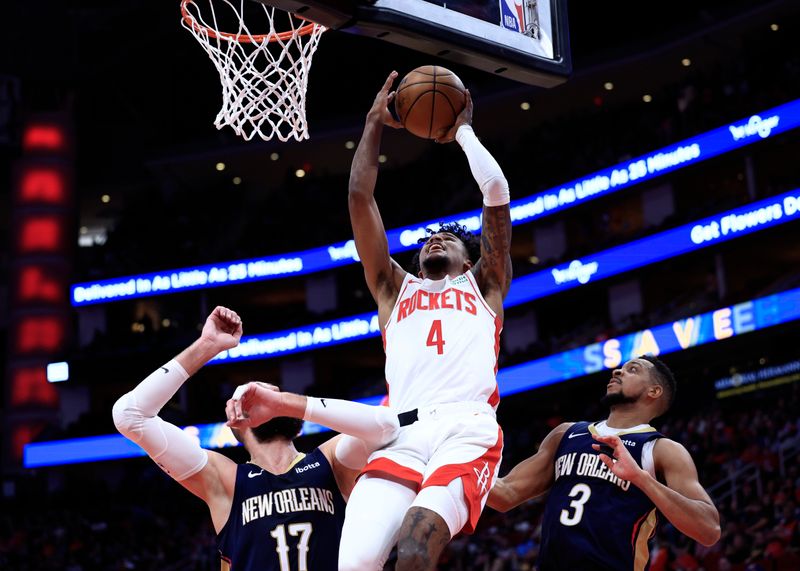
<point x="441" y="331"/>
<point x="441" y="342"/>
<point x="441" y="336"/>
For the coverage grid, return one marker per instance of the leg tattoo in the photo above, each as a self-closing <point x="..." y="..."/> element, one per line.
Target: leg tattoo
<point x="423" y="537"/>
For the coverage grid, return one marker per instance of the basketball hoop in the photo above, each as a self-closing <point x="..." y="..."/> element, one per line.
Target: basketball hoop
<point x="264" y="76"/>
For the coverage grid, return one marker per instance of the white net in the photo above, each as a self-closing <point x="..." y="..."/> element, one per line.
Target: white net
<point x="264" y="76"/>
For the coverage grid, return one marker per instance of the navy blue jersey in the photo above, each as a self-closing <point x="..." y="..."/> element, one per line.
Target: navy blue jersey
<point x="286" y="522"/>
<point x="593" y="521"/>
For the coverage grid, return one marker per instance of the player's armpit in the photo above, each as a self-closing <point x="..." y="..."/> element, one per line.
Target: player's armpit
<point x="346" y="455"/>
<point x="215" y="485"/>
<point x="529" y="478"/>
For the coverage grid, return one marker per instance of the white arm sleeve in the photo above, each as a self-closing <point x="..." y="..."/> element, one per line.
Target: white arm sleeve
<point x="485" y="170"/>
<point x="377" y="426"/>
<point x="135" y="416"/>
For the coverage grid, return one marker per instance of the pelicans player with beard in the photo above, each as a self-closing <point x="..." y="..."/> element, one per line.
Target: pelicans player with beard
<point x="607" y="480"/>
<point x="441" y="331"/>
<point x="282" y="510"/>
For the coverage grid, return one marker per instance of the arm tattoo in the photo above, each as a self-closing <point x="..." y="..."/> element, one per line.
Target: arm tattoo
<point x="496" y="244"/>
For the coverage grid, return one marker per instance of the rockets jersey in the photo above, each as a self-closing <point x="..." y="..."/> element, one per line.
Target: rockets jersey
<point x="593" y="521"/>
<point x="441" y="343"/>
<point x="284" y="522"/>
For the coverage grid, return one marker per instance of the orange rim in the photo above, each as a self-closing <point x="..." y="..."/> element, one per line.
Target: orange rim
<point x="246" y="39"/>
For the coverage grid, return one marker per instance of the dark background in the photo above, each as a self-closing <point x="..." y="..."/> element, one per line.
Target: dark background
<point x="142" y="97"/>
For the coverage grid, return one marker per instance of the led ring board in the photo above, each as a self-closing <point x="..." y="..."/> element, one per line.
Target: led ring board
<point x="523" y="40"/>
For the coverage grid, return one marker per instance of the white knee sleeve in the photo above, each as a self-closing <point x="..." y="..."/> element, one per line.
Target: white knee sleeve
<point x="447" y="501"/>
<point x="178" y="453"/>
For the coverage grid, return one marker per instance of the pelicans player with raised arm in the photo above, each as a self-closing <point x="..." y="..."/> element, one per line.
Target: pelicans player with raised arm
<point x="441" y="331"/>
<point x="282" y="510"/>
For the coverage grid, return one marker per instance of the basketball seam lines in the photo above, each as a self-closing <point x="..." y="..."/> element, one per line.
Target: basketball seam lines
<point x="435" y="87"/>
<point x="433" y="104"/>
<point x="411" y="106"/>
<point x="432" y="74"/>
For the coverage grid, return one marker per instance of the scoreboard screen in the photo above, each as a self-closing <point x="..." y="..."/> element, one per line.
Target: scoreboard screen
<point x="522" y="40"/>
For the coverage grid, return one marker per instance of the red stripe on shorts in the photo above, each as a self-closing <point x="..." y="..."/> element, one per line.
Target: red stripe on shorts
<point x="392" y="468"/>
<point x="476" y="477"/>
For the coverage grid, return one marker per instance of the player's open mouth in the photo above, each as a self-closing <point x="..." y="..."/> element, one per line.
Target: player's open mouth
<point x="437" y="246"/>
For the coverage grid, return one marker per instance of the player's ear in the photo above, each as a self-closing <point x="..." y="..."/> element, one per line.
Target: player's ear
<point x="656" y="391"/>
<point x="467" y="265"/>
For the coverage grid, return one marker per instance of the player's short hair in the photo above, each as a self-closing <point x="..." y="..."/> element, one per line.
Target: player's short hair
<point x="279" y="427"/>
<point x="471" y="242"/>
<point x="663" y="376"/>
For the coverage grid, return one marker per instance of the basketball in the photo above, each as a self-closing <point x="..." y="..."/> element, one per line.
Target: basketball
<point x="428" y="100"/>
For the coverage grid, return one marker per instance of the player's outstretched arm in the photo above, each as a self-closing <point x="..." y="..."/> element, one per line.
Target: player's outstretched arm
<point x="493" y="270"/>
<point x="364" y="428"/>
<point x="683" y="501"/>
<point x="384" y="276"/>
<point x="256" y="403"/>
<point x="529" y="478"/>
<point x="208" y="475"/>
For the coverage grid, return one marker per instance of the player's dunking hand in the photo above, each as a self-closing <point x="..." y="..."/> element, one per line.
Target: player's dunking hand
<point x="622" y="463"/>
<point x="223" y="329"/>
<point x="253" y="404"/>
<point x="464" y="118"/>
<point x="380" y="108"/>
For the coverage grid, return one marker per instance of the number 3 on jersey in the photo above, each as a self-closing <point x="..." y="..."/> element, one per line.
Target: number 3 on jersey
<point x="582" y="493"/>
<point x="435" y="338"/>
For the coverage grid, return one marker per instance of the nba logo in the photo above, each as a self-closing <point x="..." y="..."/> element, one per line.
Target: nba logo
<point x="512" y="16"/>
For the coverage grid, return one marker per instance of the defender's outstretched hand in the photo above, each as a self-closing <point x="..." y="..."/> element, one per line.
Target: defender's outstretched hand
<point x="253" y="404"/>
<point x="380" y="108"/>
<point x="621" y="463"/>
<point x="464" y="118"/>
<point x="223" y="328"/>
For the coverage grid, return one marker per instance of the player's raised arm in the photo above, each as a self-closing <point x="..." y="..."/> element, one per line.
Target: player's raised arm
<point x="208" y="475"/>
<point x="529" y="478"/>
<point x="384" y="276"/>
<point x="683" y="501"/>
<point x="493" y="270"/>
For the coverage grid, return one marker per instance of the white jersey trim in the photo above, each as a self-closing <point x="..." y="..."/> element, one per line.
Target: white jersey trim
<point x="648" y="464"/>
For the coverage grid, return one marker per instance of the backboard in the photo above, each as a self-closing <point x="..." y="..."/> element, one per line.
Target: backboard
<point x="523" y="40"/>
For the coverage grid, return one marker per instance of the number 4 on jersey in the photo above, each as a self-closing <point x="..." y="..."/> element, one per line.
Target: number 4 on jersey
<point x="435" y="338"/>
